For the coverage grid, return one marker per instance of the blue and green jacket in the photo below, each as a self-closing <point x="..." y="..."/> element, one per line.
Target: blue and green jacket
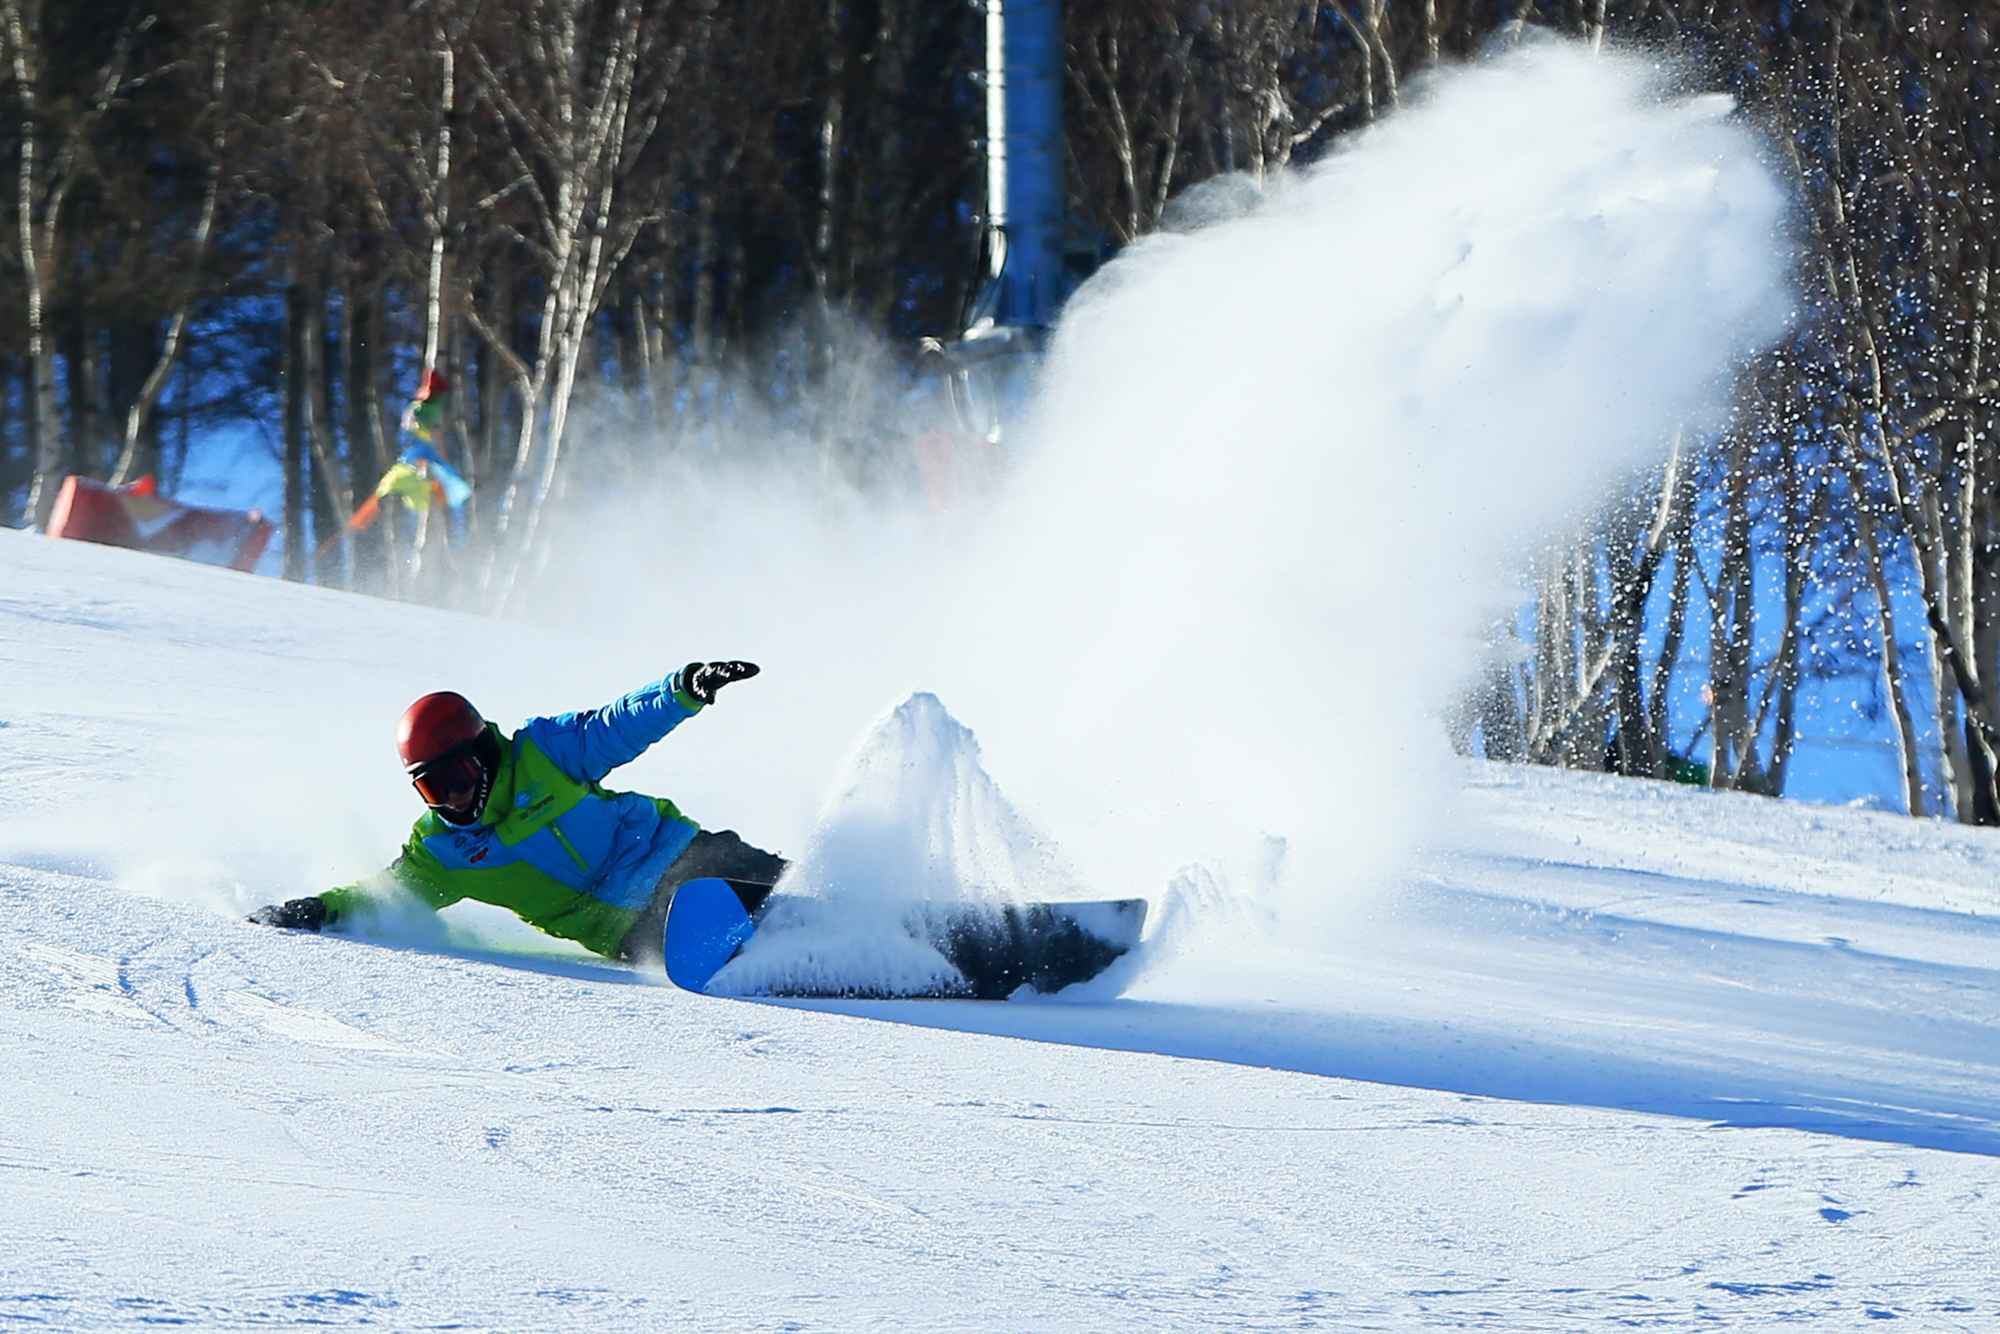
<point x="567" y="855"/>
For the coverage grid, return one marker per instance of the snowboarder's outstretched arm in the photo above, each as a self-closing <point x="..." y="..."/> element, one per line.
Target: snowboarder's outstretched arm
<point x="307" y="914"/>
<point x="406" y="877"/>
<point x="589" y="745"/>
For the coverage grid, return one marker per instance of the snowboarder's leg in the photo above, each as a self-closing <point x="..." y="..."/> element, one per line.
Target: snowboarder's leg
<point x="722" y="854"/>
<point x="725" y="855"/>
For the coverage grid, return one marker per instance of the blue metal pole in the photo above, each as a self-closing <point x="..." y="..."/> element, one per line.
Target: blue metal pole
<point x="1025" y="135"/>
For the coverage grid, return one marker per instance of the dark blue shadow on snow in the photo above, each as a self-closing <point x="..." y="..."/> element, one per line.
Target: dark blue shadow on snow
<point x="442" y="944"/>
<point x="1412" y="1054"/>
<point x="1782" y="1079"/>
<point x="1466" y="1058"/>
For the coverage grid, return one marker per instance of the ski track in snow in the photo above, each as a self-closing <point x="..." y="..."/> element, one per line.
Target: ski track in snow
<point x="1621" y="1053"/>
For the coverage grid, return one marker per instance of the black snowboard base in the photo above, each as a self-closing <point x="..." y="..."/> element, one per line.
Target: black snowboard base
<point x="994" y="950"/>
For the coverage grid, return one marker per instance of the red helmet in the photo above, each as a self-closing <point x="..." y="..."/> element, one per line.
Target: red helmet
<point x="449" y="754"/>
<point x="435" y="724"/>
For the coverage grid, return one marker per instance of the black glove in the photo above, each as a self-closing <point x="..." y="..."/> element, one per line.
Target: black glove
<point x="703" y="679"/>
<point x="295" y="914"/>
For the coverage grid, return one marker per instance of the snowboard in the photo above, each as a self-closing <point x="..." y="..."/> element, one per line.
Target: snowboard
<point x="1047" y="946"/>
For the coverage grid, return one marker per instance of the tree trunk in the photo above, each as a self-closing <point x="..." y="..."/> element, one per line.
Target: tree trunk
<point x="135" y="455"/>
<point x="80" y="370"/>
<point x="1732" y="621"/>
<point x="1675" y="633"/>
<point x="134" y="354"/>
<point x="45" y="431"/>
<point x="43" y="178"/>
<point x="702" y="339"/>
<point x="298" y="358"/>
<point x="51" y="454"/>
<point x="330" y="511"/>
<point x="365" y="452"/>
<point x="1907" y="751"/>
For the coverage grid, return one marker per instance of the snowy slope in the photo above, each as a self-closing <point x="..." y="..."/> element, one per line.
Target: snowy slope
<point x="1497" y="1048"/>
<point x="1614" y="1052"/>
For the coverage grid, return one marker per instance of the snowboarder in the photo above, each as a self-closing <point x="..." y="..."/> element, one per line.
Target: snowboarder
<point x="522" y="822"/>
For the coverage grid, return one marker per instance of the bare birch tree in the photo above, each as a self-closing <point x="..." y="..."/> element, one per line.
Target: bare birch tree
<point x="53" y="157"/>
<point x="578" y="117"/>
<point x="1128" y="68"/>
<point x="132" y="459"/>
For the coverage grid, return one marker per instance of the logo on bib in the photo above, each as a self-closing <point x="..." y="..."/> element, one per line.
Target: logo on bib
<point x="472" y="845"/>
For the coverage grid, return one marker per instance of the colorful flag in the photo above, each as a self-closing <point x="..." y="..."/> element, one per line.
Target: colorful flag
<point x="420" y="474"/>
<point x="406" y="482"/>
<point x="455" y="489"/>
<point x="424" y="417"/>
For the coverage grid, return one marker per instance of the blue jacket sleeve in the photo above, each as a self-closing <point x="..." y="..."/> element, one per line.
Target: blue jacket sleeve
<point x="589" y="745"/>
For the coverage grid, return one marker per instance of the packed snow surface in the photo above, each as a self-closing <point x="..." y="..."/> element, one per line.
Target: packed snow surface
<point x="1621" y="1052"/>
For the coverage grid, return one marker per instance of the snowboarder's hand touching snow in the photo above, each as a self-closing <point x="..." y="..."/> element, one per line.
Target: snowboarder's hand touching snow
<point x="703" y="679"/>
<point x="295" y="914"/>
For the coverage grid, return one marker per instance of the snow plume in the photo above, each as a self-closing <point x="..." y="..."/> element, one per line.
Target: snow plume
<point x="914" y="822"/>
<point x="1287" y="463"/>
<point x="917" y="817"/>
<point x="1288" y="459"/>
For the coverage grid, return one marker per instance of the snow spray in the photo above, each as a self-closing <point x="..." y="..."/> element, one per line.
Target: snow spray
<point x="1290" y="458"/>
<point x="1287" y="460"/>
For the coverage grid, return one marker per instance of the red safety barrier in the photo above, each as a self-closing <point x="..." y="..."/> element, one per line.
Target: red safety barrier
<point x="137" y="516"/>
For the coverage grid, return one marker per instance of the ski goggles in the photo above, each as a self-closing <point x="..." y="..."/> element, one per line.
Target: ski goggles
<point x="452" y="774"/>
